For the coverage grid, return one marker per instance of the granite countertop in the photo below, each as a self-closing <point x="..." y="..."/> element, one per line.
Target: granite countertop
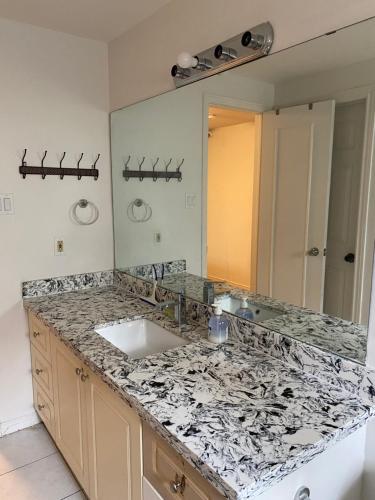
<point x="244" y="419"/>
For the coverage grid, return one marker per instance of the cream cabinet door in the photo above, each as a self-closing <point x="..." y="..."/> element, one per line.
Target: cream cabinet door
<point x="114" y="431"/>
<point x="70" y="411"/>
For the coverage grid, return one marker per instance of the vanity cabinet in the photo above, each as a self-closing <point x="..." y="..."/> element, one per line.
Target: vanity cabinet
<point x="98" y="433"/>
<point x="112" y="454"/>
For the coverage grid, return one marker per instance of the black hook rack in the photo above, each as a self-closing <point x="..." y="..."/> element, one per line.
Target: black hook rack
<point x="153" y="174"/>
<point x="61" y="171"/>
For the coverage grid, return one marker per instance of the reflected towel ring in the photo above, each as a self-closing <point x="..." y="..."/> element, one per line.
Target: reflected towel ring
<point x="140" y="217"/>
<point x="84" y="204"/>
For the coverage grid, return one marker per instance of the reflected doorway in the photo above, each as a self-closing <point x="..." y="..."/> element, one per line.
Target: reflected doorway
<point x="233" y="195"/>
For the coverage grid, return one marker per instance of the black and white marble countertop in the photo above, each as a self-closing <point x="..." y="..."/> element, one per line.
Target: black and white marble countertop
<point x="243" y="418"/>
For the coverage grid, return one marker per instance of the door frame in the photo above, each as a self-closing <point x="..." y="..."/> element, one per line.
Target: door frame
<point x="231" y="103"/>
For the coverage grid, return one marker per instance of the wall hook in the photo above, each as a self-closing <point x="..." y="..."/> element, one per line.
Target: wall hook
<point x="126" y="163"/>
<point x="42" y="164"/>
<point x="94" y="166"/>
<point x="178" y="169"/>
<point x="78" y="162"/>
<point x="154" y="176"/>
<point x="140" y="163"/>
<point x="61" y="160"/>
<point x="23" y="163"/>
<point x="167" y="179"/>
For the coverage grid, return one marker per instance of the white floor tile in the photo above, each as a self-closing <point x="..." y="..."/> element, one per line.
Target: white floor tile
<point x="46" y="479"/>
<point x="23" y="447"/>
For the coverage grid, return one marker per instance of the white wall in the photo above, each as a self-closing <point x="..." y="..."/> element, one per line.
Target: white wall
<point x="140" y="60"/>
<point x="53" y="95"/>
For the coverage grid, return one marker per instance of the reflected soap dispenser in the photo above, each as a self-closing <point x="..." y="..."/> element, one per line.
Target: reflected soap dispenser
<point x="243" y="311"/>
<point x="218" y="326"/>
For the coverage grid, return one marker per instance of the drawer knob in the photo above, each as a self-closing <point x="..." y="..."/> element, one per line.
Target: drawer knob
<point x="41" y="407"/>
<point x="38" y="371"/>
<point x="178" y="485"/>
<point x="36" y="334"/>
<point x="303" y="493"/>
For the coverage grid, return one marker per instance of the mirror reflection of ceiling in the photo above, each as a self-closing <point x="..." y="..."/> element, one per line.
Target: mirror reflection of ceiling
<point x="343" y="48"/>
<point x="225" y="117"/>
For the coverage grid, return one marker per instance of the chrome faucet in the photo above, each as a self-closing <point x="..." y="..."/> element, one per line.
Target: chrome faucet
<point x="179" y="308"/>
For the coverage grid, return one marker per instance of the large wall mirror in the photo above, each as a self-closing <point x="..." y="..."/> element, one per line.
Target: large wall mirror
<point x="276" y="202"/>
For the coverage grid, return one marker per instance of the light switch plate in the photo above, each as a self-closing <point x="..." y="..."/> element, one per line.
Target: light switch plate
<point x="6" y="204"/>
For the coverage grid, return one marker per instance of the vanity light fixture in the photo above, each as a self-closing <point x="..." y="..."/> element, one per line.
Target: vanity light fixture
<point x="246" y="46"/>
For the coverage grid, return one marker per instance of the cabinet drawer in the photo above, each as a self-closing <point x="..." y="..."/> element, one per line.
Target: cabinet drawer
<point x="165" y="469"/>
<point x="42" y="372"/>
<point x="44" y="407"/>
<point x="40" y="336"/>
<point x="197" y="487"/>
<point x="161" y="464"/>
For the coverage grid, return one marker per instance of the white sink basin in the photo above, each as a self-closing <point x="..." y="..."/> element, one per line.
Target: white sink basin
<point x="140" y="337"/>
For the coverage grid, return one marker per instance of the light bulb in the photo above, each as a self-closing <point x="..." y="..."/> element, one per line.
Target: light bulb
<point x="186" y="60"/>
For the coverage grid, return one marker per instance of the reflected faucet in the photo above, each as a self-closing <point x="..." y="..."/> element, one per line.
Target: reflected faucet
<point x="179" y="309"/>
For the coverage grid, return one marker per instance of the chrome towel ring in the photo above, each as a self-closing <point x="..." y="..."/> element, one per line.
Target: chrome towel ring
<point x="84" y="204"/>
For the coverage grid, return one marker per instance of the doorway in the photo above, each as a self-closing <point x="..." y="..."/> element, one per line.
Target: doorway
<point x="233" y="195"/>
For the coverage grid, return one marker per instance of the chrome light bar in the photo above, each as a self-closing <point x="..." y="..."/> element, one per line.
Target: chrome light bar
<point x="251" y="44"/>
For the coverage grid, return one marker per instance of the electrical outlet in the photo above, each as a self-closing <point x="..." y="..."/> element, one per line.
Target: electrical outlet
<point x="59" y="247"/>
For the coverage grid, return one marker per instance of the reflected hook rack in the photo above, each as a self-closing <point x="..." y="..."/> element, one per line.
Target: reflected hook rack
<point x="152" y="174"/>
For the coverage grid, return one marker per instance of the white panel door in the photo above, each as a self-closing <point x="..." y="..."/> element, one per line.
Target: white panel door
<point x="294" y="200"/>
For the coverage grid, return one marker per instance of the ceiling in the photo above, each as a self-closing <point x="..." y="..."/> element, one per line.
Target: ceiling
<point x="225" y="117"/>
<point x="98" y="19"/>
<point x="343" y="48"/>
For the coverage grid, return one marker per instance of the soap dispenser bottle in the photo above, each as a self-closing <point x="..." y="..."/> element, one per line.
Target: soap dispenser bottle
<point x="218" y="326"/>
<point x="243" y="311"/>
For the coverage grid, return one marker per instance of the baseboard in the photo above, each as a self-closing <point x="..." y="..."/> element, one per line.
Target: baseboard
<point x="16" y="424"/>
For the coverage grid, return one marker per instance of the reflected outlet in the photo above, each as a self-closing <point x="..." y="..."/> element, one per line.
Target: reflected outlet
<point x="59" y="247"/>
<point x="157" y="237"/>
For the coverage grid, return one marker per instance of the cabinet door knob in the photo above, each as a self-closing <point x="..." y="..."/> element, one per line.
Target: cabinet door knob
<point x="303" y="493"/>
<point x="41" y="407"/>
<point x="178" y="485"/>
<point x="79" y="371"/>
<point x="36" y="334"/>
<point x="84" y="377"/>
<point x="38" y="371"/>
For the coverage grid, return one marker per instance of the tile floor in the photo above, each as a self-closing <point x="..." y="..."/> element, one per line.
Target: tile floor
<point x="31" y="468"/>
